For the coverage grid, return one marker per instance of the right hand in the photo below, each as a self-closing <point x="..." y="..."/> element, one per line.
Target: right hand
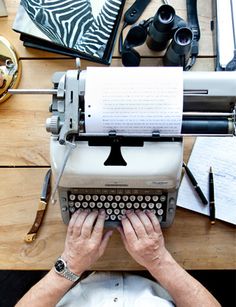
<point x="143" y="238"/>
<point x="85" y="242"/>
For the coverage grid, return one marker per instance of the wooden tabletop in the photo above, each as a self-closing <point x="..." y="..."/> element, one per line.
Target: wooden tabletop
<point x="24" y="160"/>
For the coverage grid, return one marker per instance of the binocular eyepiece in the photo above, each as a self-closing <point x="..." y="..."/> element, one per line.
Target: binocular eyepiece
<point x="166" y="25"/>
<point x="179" y="50"/>
<point x="161" y="28"/>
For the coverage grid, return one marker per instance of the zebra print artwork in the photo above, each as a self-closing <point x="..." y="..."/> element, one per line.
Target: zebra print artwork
<point x="81" y="25"/>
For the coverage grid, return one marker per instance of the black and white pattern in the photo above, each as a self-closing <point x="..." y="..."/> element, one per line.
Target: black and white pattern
<point x="71" y="23"/>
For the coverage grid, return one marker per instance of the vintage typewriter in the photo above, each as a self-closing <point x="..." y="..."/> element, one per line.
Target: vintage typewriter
<point x="116" y="170"/>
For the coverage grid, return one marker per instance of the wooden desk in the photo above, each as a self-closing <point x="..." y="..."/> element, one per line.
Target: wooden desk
<point x="24" y="159"/>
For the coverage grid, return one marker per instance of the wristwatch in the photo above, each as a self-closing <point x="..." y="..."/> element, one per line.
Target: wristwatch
<point x="61" y="268"/>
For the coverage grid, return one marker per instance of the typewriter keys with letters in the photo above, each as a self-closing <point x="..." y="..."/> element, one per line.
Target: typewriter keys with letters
<point x="116" y="202"/>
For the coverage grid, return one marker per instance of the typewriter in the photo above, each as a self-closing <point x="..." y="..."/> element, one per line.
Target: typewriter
<point x="117" y="169"/>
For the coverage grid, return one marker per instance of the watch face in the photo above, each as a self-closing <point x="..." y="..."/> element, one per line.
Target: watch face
<point x="59" y="265"/>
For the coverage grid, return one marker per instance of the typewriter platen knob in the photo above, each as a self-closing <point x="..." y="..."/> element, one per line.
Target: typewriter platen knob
<point x="52" y="124"/>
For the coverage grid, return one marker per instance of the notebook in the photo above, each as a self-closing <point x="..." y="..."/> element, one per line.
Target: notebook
<point x="220" y="154"/>
<point x="80" y="28"/>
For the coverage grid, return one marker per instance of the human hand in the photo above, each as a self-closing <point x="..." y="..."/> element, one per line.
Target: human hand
<point x="143" y="239"/>
<point x="85" y="242"/>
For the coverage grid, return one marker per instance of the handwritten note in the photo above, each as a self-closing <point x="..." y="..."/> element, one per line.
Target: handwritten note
<point x="134" y="100"/>
<point x="220" y="153"/>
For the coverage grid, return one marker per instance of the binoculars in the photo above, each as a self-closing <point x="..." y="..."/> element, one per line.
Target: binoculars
<point x="165" y="30"/>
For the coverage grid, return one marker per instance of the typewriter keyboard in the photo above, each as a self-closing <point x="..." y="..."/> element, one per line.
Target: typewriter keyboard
<point x="116" y="202"/>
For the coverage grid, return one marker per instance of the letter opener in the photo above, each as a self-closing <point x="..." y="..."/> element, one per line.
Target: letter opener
<point x="42" y="206"/>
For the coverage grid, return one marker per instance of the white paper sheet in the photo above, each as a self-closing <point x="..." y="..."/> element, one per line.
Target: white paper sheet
<point x="220" y="153"/>
<point x="134" y="100"/>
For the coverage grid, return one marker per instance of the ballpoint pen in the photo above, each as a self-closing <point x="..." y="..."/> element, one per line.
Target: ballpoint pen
<point x="195" y="184"/>
<point x="211" y="197"/>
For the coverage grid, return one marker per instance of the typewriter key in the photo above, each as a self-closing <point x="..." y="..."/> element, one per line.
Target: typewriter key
<point x="107" y="205"/>
<point x="155" y="198"/>
<point x="117" y="211"/>
<point x="77" y="204"/>
<point x="132" y="197"/>
<point x="117" y="197"/>
<point x="147" y="197"/>
<point x="121" y="205"/>
<point x="114" y="205"/>
<point x="92" y="204"/>
<point x="158" y="205"/>
<point x="84" y="204"/>
<point x="162" y="198"/>
<point x="109" y="211"/>
<point x="80" y="197"/>
<point x="143" y="205"/>
<point x="99" y="205"/>
<point x="87" y="197"/>
<point x="136" y="205"/>
<point x="151" y="205"/>
<point x="72" y="197"/>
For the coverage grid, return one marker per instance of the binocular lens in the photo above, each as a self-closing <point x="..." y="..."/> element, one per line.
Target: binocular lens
<point x="178" y="52"/>
<point x="160" y="30"/>
<point x="183" y="36"/>
<point x="166" y="15"/>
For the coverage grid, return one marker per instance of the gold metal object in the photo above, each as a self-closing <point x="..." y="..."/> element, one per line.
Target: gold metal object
<point x="30" y="237"/>
<point x="42" y="205"/>
<point x="10" y="69"/>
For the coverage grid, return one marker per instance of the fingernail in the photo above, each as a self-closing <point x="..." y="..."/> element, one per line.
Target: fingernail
<point x="102" y="212"/>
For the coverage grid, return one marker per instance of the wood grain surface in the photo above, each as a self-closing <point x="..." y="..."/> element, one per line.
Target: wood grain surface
<point x="24" y="159"/>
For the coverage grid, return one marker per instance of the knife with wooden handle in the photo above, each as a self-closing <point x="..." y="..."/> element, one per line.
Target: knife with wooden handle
<point x="42" y="206"/>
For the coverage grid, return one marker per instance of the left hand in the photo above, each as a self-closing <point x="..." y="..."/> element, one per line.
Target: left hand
<point x="85" y="242"/>
<point x="143" y="238"/>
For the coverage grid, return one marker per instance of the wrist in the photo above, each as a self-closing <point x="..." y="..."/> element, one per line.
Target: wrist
<point x="162" y="265"/>
<point x="61" y="268"/>
<point x="72" y="264"/>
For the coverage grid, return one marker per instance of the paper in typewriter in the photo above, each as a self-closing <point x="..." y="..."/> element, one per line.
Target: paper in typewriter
<point x="134" y="100"/>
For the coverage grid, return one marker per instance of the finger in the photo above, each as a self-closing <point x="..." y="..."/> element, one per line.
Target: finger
<point x="145" y="221"/>
<point x="137" y="225"/>
<point x="99" y="225"/>
<point x="128" y="229"/>
<point x="154" y="221"/>
<point x="76" y="230"/>
<point x="72" y="222"/>
<point x="104" y="242"/>
<point x="88" y="224"/>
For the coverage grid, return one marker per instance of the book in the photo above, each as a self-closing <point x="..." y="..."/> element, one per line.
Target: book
<point x="218" y="153"/>
<point x="79" y="28"/>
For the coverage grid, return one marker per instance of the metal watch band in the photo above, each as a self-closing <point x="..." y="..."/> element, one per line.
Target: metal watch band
<point x="70" y="275"/>
<point x="66" y="272"/>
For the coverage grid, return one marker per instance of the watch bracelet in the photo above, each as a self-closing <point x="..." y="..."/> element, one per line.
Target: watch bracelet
<point x="70" y="275"/>
<point x="67" y="273"/>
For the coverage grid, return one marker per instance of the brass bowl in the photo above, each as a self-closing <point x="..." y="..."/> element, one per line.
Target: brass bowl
<point x="10" y="69"/>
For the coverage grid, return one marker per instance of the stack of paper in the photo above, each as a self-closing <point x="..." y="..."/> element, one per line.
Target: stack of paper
<point x="220" y="154"/>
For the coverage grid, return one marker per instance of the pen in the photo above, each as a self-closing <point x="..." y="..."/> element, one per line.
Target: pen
<point x="211" y="197"/>
<point x="195" y="185"/>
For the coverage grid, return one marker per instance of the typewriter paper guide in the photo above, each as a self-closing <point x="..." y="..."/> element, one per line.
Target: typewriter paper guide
<point x="134" y="100"/>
